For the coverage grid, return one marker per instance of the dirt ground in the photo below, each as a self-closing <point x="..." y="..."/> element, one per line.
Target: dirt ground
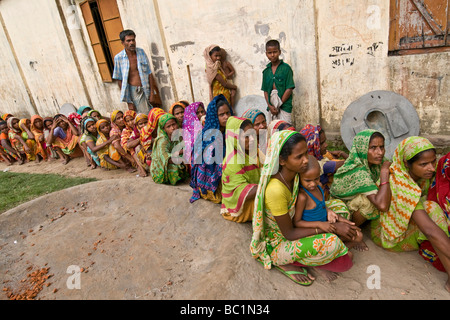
<point x="124" y="237"/>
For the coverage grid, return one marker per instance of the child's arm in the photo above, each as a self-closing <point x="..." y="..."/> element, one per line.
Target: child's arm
<point x="230" y="67"/>
<point x="286" y="95"/>
<point x="224" y="83"/>
<point x="272" y="109"/>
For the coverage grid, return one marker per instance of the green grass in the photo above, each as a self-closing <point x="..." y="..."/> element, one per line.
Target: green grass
<point x="17" y="188"/>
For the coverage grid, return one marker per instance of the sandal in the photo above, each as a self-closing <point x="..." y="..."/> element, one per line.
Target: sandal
<point x="290" y="273"/>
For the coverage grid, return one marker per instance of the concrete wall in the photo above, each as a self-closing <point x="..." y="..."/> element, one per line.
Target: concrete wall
<point x="337" y="49"/>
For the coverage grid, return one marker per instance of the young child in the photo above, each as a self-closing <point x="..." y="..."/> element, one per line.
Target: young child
<point x="217" y="80"/>
<point x="311" y="210"/>
<point x="229" y="72"/>
<point x="278" y="83"/>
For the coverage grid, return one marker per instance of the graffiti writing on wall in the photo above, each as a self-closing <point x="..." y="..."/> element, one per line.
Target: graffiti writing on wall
<point x="344" y="55"/>
<point x="161" y="77"/>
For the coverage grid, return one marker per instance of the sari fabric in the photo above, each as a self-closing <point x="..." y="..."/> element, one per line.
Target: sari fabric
<point x="240" y="174"/>
<point x="192" y="126"/>
<point x="440" y="188"/>
<point x="41" y="146"/>
<point x="115" y="130"/>
<point x="107" y="150"/>
<point x="393" y="229"/>
<point x="128" y="132"/>
<point x="161" y="170"/>
<point x="87" y="136"/>
<point x="31" y="143"/>
<point x="311" y="133"/>
<point x="206" y="176"/>
<point x="152" y="124"/>
<point x="15" y="142"/>
<point x="268" y="244"/>
<point x="355" y="176"/>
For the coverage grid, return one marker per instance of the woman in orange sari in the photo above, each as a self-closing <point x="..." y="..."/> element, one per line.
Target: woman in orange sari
<point x="37" y="128"/>
<point x="64" y="137"/>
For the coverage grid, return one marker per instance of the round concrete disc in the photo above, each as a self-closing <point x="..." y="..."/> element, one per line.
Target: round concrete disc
<point x="67" y="108"/>
<point x="251" y="101"/>
<point x="388" y="112"/>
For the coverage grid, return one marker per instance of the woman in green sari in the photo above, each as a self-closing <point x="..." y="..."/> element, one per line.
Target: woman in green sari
<point x="240" y="170"/>
<point x="163" y="169"/>
<point x="411" y="219"/>
<point x="276" y="242"/>
<point x="362" y="181"/>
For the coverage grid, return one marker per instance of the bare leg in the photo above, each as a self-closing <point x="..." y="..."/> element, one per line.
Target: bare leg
<point x="438" y="239"/>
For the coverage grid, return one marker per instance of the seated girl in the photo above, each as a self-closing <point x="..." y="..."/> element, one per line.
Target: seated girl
<point x="89" y="139"/>
<point x="18" y="142"/>
<point x="410" y="218"/>
<point x="206" y="164"/>
<point x="130" y="140"/>
<point x="276" y="242"/>
<point x="328" y="160"/>
<point x="240" y="171"/>
<point x="37" y="128"/>
<point x="148" y="131"/>
<point x="166" y="166"/>
<point x="28" y="137"/>
<point x="312" y="211"/>
<point x="64" y="137"/>
<point x="192" y="126"/>
<point x="108" y="156"/>
<point x="363" y="180"/>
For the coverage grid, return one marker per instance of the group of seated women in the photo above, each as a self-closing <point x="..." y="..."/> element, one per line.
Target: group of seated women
<point x="307" y="204"/>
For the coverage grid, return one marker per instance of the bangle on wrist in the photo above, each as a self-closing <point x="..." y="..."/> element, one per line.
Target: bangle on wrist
<point x="386" y="182"/>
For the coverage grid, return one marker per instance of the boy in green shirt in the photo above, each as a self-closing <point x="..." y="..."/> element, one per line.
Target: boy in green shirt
<point x="278" y="84"/>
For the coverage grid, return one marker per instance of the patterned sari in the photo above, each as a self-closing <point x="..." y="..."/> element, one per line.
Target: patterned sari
<point x="161" y="170"/>
<point x="206" y="176"/>
<point x="31" y="156"/>
<point x="15" y="142"/>
<point x="192" y="127"/>
<point x="240" y="175"/>
<point x="356" y="179"/>
<point x="129" y="131"/>
<point x="268" y="244"/>
<point x="212" y="70"/>
<point x="41" y="146"/>
<point x="394" y="230"/>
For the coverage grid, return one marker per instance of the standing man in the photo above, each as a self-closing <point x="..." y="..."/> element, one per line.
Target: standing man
<point x="132" y="70"/>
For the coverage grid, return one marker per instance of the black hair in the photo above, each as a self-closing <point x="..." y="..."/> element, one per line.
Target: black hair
<point x="273" y="43"/>
<point x="286" y="150"/>
<point x="222" y="102"/>
<point x="124" y="33"/>
<point x="216" y="48"/>
<point x="2" y="122"/>
<point x="376" y="135"/>
<point x="418" y="156"/>
<point x="245" y="123"/>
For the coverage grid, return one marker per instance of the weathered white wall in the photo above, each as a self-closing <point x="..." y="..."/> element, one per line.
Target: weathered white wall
<point x="337" y="49"/>
<point x="43" y="53"/>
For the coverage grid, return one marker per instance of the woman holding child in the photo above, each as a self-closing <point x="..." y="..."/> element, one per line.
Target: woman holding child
<point x="276" y="241"/>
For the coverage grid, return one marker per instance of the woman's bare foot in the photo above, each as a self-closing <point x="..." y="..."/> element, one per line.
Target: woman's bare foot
<point x="141" y="171"/>
<point x="328" y="275"/>
<point x="93" y="166"/>
<point x="357" y="245"/>
<point x="66" y="160"/>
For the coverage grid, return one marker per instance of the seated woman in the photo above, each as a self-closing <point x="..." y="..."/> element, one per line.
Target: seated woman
<point x="276" y="242"/>
<point x="28" y="137"/>
<point x="64" y="137"/>
<point x="258" y="119"/>
<point x="316" y="140"/>
<point x="37" y="128"/>
<point x="439" y="192"/>
<point x="192" y="126"/>
<point x="240" y="171"/>
<point x="363" y="180"/>
<point x="166" y="166"/>
<point x="18" y="142"/>
<point x="177" y="110"/>
<point x="9" y="154"/>
<point x="117" y="126"/>
<point x="411" y="219"/>
<point x="130" y="140"/>
<point x="148" y="131"/>
<point x="51" y="151"/>
<point x="108" y="156"/>
<point x="83" y="111"/>
<point x="89" y="139"/>
<point x="206" y="164"/>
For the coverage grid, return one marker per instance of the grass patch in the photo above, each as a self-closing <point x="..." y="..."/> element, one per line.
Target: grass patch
<point x="17" y="188"/>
